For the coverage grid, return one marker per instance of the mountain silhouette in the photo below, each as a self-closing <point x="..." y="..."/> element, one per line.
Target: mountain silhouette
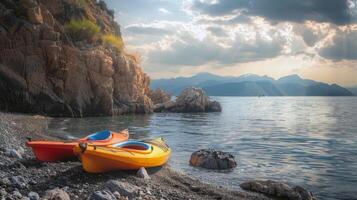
<point x="251" y="85"/>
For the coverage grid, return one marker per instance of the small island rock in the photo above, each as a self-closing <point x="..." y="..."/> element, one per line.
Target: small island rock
<point x="212" y="159"/>
<point x="190" y="100"/>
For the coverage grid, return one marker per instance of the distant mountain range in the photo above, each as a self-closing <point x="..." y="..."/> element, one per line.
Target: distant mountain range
<point x="353" y="90"/>
<point x="251" y="85"/>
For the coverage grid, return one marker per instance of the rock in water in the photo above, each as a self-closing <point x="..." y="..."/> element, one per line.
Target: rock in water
<point x="190" y="100"/>
<point x="212" y="159"/>
<point x="46" y="70"/>
<point x="142" y="173"/>
<point x="56" y="194"/>
<point x="159" y="96"/>
<point x="277" y="189"/>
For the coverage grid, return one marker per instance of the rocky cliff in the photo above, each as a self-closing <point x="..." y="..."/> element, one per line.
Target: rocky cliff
<point x="54" y="61"/>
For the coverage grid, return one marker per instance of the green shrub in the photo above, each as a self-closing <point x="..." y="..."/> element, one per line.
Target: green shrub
<point x="113" y="40"/>
<point x="81" y="3"/>
<point x="82" y="29"/>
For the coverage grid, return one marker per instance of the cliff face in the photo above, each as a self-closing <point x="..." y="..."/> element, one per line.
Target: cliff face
<point x="44" y="69"/>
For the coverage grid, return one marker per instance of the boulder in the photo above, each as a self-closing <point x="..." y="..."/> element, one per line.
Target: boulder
<point x="277" y="189"/>
<point x="212" y="159"/>
<point x="124" y="189"/>
<point x="190" y="100"/>
<point x="142" y="173"/>
<point x="56" y="194"/>
<point x="159" y="96"/>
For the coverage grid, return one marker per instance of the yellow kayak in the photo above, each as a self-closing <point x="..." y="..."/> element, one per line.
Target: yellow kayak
<point x="123" y="156"/>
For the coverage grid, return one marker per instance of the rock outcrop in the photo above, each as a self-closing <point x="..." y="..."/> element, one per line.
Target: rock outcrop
<point x="45" y="70"/>
<point x="190" y="100"/>
<point x="212" y="159"/>
<point x="159" y="96"/>
<point x="277" y="189"/>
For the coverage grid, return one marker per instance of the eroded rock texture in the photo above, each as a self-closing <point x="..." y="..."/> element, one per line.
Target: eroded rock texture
<point x="190" y="100"/>
<point x="44" y="70"/>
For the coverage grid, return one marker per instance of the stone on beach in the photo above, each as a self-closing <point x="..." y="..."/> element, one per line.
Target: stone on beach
<point x="212" y="159"/>
<point x="190" y="100"/>
<point x="19" y="182"/>
<point x="33" y="196"/>
<point x="14" y="153"/>
<point x="102" y="195"/>
<point x="124" y="189"/>
<point x="56" y="194"/>
<point x="142" y="173"/>
<point x="277" y="189"/>
<point x="17" y="194"/>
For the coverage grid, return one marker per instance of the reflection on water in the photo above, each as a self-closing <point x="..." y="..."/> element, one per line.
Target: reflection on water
<point x="310" y="141"/>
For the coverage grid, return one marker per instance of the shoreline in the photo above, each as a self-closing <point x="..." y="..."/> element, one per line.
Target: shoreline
<point x="165" y="182"/>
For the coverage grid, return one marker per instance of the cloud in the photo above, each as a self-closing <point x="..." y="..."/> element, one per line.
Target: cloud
<point x="342" y="47"/>
<point x="223" y="20"/>
<point x="217" y="31"/>
<point x="164" y="11"/>
<point x="314" y="33"/>
<point x="333" y="11"/>
<point x="154" y="29"/>
<point x="186" y="49"/>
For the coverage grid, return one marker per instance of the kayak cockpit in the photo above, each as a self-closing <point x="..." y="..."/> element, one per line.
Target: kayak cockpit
<point x="101" y="135"/>
<point x="134" y="146"/>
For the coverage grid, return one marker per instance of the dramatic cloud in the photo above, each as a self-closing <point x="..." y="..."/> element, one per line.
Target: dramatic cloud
<point x="194" y="46"/>
<point x="184" y="37"/>
<point x="343" y="46"/>
<point x="334" y="11"/>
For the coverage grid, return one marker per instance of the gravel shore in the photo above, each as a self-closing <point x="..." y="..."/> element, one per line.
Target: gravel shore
<point x="22" y="177"/>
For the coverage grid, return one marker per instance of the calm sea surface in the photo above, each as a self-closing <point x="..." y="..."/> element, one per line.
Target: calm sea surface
<point x="308" y="141"/>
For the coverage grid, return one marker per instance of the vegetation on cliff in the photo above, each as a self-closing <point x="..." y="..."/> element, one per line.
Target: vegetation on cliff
<point x="82" y="29"/>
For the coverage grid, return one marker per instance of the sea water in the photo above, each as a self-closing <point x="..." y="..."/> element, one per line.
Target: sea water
<point x="307" y="141"/>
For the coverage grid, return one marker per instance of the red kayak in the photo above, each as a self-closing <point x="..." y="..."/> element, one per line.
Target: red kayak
<point x="51" y="151"/>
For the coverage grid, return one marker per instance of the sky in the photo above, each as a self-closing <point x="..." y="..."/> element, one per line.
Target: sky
<point x="316" y="39"/>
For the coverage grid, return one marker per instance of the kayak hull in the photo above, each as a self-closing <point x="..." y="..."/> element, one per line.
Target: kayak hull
<point x="98" y="159"/>
<point x="52" y="151"/>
